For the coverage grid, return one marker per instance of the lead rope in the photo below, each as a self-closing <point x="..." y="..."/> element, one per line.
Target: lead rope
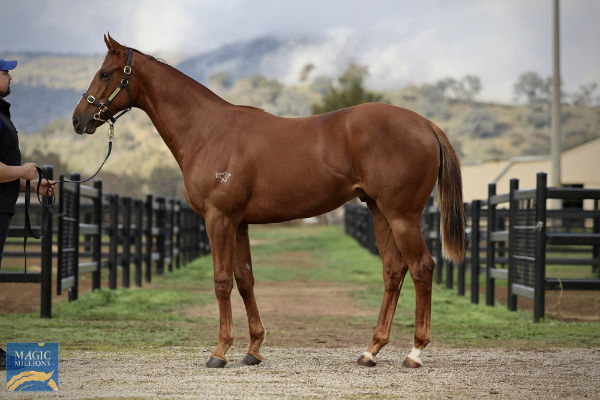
<point x="111" y="135"/>
<point x="47" y="207"/>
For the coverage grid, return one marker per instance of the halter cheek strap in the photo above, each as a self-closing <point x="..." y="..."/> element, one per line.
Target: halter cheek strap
<point x="103" y="107"/>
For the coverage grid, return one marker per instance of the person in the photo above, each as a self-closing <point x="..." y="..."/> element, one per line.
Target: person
<point x="13" y="175"/>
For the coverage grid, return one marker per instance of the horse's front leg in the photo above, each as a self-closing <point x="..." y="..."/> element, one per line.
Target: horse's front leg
<point x="221" y="232"/>
<point x="245" y="283"/>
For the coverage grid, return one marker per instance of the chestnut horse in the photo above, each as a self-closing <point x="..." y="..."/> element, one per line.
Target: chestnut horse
<point x="242" y="165"/>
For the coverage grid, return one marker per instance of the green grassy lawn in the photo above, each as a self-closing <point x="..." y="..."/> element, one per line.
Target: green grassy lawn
<point x="147" y="317"/>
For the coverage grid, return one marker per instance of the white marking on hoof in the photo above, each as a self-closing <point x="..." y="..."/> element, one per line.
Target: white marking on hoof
<point x="368" y="355"/>
<point x="414" y="355"/>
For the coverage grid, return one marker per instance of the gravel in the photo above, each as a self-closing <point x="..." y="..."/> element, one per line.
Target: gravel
<point x="316" y="373"/>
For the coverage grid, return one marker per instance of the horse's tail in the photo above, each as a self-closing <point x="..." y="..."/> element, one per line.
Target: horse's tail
<point x="452" y="223"/>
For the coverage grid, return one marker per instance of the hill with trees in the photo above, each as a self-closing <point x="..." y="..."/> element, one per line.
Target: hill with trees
<point x="48" y="87"/>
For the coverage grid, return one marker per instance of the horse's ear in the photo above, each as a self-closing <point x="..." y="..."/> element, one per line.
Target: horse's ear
<point x="111" y="43"/>
<point x="107" y="40"/>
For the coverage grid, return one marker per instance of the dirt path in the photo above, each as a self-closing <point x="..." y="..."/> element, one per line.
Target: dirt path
<point x="316" y="373"/>
<point x="309" y="353"/>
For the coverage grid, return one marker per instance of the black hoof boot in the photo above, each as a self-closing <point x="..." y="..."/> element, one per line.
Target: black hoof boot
<point x="251" y="360"/>
<point x="215" y="362"/>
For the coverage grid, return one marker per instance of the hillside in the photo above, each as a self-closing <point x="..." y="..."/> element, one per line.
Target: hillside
<point x="46" y="87"/>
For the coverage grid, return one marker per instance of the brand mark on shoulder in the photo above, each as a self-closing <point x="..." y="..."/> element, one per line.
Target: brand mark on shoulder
<point x="222" y="176"/>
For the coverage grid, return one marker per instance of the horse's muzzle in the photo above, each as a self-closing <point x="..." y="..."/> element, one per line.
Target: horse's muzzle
<point x="81" y="126"/>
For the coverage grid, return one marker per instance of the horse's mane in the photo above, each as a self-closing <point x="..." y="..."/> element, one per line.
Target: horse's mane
<point x="251" y="107"/>
<point x="150" y="56"/>
<point x="164" y="63"/>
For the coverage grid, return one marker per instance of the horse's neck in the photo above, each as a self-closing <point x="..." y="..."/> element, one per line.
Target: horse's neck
<point x="172" y="100"/>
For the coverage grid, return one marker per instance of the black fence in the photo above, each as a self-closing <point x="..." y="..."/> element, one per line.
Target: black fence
<point x="522" y="242"/>
<point x="89" y="232"/>
<point x="358" y="223"/>
<point x="513" y="237"/>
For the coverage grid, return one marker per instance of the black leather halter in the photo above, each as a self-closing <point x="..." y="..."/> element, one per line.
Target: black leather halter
<point x="103" y="107"/>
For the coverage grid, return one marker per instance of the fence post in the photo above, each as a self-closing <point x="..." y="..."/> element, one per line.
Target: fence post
<point x="490" y="286"/>
<point x="513" y="206"/>
<point x="139" y="232"/>
<point x="596" y="247"/>
<point x="125" y="235"/>
<point x="97" y="240"/>
<point x="206" y="249"/>
<point x="539" y="294"/>
<point x="46" y="276"/>
<point x="177" y="232"/>
<point x="475" y="238"/>
<point x="114" y="241"/>
<point x="460" y="268"/>
<point x="449" y="272"/>
<point x="61" y="226"/>
<point x="160" y="237"/>
<point x="149" y="237"/>
<point x="74" y="291"/>
<point x="171" y="232"/>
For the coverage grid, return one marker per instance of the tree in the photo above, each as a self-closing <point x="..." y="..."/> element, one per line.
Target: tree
<point x="306" y="71"/>
<point x="433" y="103"/>
<point x="256" y="90"/>
<point x="321" y="85"/>
<point x="49" y="158"/>
<point x="583" y="95"/>
<point x="464" y="89"/>
<point x="469" y="87"/>
<point x="165" y="181"/>
<point x="349" y="91"/>
<point x="444" y="85"/>
<point x="535" y="89"/>
<point x="220" y="81"/>
<point x="480" y="124"/>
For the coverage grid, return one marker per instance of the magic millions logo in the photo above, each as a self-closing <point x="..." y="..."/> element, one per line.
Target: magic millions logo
<point x="31" y="367"/>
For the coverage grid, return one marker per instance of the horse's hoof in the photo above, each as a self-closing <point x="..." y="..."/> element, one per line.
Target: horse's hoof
<point x="251" y="360"/>
<point x="366" y="360"/>
<point x="214" y="362"/>
<point x="410" y="363"/>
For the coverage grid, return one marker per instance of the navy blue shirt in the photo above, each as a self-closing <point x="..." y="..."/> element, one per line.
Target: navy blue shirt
<point x="10" y="154"/>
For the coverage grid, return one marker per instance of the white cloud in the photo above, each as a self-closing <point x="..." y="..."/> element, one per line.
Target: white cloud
<point x="401" y="41"/>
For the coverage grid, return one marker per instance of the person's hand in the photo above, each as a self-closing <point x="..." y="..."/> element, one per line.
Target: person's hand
<point x="28" y="171"/>
<point x="46" y="187"/>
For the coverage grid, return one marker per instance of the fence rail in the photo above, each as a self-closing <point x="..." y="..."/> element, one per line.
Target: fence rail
<point x="513" y="237"/>
<point x="92" y="231"/>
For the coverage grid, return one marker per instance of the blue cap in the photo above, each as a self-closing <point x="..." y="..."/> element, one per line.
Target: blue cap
<point x="6" y="65"/>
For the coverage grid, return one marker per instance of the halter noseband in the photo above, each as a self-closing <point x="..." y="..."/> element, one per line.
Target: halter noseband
<point x="103" y="107"/>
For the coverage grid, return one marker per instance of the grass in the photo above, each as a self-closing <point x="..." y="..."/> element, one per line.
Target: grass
<point x="149" y="317"/>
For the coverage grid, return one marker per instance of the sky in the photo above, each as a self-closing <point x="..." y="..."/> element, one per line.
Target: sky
<point x="400" y="41"/>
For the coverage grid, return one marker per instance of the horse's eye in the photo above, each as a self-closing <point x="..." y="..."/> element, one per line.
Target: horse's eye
<point x="104" y="75"/>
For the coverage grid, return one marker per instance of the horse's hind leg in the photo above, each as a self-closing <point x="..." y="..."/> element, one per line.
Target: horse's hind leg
<point x="410" y="240"/>
<point x="245" y="282"/>
<point x="394" y="271"/>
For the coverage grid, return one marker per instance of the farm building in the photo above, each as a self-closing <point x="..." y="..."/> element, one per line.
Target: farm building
<point x="580" y="168"/>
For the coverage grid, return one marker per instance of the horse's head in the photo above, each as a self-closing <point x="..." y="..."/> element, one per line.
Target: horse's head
<point x="101" y="102"/>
